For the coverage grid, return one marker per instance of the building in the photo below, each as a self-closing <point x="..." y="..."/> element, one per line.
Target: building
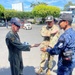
<point x="70" y="12"/>
<point x="18" y="6"/>
<point x="72" y="8"/>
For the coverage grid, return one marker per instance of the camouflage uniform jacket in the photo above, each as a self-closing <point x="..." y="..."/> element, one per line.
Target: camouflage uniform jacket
<point x="52" y="33"/>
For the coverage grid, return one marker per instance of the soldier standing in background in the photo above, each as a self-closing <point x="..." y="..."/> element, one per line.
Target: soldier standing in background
<point x="15" y="47"/>
<point x="50" y="34"/>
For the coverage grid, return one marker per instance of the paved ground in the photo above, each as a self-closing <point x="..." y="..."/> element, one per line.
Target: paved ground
<point x="31" y="59"/>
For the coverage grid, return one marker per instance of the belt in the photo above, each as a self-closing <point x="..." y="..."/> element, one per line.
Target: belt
<point x="46" y="38"/>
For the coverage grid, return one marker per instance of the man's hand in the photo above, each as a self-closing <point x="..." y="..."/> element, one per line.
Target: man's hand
<point x="35" y="45"/>
<point x="43" y="49"/>
<point x="54" y="32"/>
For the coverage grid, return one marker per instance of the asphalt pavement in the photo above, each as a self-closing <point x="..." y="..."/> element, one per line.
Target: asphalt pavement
<point x="31" y="59"/>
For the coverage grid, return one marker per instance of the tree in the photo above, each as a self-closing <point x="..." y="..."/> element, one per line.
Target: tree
<point x="13" y="13"/>
<point x="43" y="10"/>
<point x="68" y="4"/>
<point x="32" y="5"/>
<point x="2" y="9"/>
<point x="35" y="4"/>
<point x="9" y="13"/>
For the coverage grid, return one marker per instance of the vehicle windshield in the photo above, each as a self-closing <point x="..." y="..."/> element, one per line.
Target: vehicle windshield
<point x="1" y="21"/>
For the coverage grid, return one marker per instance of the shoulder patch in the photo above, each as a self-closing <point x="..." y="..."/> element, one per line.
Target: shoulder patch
<point x="12" y="39"/>
<point x="60" y="45"/>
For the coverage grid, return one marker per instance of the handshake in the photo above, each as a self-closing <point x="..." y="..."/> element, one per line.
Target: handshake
<point x="44" y="49"/>
<point x="31" y="46"/>
<point x="35" y="45"/>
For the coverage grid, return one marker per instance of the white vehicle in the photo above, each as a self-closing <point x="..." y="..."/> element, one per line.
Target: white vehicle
<point x="27" y="26"/>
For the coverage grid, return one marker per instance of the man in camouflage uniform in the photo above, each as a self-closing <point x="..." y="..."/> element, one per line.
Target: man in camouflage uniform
<point x="15" y="47"/>
<point x="50" y="33"/>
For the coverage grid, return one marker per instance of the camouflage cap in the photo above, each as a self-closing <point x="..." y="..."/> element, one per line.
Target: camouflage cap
<point x="49" y="18"/>
<point x="16" y="21"/>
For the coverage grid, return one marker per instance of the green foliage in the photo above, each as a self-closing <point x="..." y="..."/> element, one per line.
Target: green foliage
<point x="53" y="10"/>
<point x="43" y="10"/>
<point x="2" y="9"/>
<point x="28" y="15"/>
<point x="9" y="13"/>
<point x="40" y="10"/>
<point x="12" y="13"/>
<point x="35" y="4"/>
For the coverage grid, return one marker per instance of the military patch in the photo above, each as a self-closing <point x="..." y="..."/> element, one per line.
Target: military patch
<point x="60" y="45"/>
<point x="12" y="39"/>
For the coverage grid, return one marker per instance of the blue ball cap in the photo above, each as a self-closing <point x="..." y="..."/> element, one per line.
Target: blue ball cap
<point x="16" y="21"/>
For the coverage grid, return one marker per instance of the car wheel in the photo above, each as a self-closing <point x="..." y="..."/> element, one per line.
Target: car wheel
<point x="25" y="28"/>
<point x="31" y="28"/>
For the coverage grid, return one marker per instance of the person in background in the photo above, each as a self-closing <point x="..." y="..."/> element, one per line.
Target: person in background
<point x="6" y="23"/>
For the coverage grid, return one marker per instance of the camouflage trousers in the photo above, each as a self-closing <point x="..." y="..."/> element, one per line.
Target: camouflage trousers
<point x="46" y="56"/>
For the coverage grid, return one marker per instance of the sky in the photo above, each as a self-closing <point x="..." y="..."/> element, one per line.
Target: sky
<point x="59" y="3"/>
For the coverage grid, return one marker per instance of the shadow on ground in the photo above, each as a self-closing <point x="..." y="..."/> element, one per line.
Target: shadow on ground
<point x="28" y="70"/>
<point x="5" y="71"/>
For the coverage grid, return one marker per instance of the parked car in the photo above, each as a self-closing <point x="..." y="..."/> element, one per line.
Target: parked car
<point x="27" y="26"/>
<point x="2" y="23"/>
